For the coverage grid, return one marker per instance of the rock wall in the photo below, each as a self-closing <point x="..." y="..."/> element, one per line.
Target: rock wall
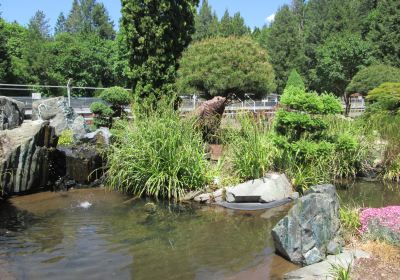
<point x="24" y="157"/>
<point x="12" y="113"/>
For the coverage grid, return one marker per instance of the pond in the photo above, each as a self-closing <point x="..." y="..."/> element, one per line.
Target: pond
<point x="50" y="236"/>
<point x="95" y="234"/>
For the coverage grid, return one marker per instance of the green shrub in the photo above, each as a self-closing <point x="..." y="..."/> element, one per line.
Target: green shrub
<point x="159" y="155"/>
<point x="386" y="97"/>
<point x="118" y="98"/>
<point x="66" y="138"/>
<point x="103" y="114"/>
<point x="372" y="77"/>
<point x="295" y="80"/>
<point x="340" y="272"/>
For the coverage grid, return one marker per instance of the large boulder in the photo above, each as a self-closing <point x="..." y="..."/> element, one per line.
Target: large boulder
<point x="12" y="113"/>
<point x="24" y="157"/>
<point x="60" y="115"/>
<point x="273" y="187"/>
<point x="310" y="228"/>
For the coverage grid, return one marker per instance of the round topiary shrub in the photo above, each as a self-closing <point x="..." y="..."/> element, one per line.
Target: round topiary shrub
<point x="118" y="98"/>
<point x="103" y="114"/>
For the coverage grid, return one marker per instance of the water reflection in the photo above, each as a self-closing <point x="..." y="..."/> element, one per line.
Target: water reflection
<point x="55" y="239"/>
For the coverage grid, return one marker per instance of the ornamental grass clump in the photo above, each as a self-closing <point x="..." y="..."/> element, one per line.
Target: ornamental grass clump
<point x="159" y="154"/>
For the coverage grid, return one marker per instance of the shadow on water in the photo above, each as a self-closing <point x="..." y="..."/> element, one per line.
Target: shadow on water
<point x="54" y="238"/>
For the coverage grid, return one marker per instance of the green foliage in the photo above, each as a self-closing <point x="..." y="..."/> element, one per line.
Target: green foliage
<point x="386" y="96"/>
<point x="206" y="22"/>
<point x="350" y="219"/>
<point x="118" y="98"/>
<point x="340" y="272"/>
<point x="159" y="155"/>
<point x="285" y="45"/>
<point x="295" y="80"/>
<point x="66" y="138"/>
<point x="252" y="149"/>
<point x="39" y="25"/>
<point x="382" y="30"/>
<point x="372" y="77"/>
<point x="5" y="58"/>
<point x="156" y="33"/>
<point x="103" y="114"/>
<point x="222" y="66"/>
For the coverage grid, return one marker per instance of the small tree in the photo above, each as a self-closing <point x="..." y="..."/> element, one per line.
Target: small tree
<point x="223" y="66"/>
<point x="118" y="98"/>
<point x="103" y="114"/>
<point x="372" y="77"/>
<point x="295" y="80"/>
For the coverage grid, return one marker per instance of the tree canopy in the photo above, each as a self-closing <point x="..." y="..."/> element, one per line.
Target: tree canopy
<point x="373" y="76"/>
<point x="224" y="66"/>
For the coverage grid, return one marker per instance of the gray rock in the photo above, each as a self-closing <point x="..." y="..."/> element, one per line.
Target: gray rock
<point x="55" y="110"/>
<point x="303" y="235"/>
<point x="83" y="163"/>
<point x="25" y="154"/>
<point x="79" y="127"/>
<point x="12" y="113"/>
<point x="101" y="136"/>
<point x="333" y="248"/>
<point x="322" y="270"/>
<point x="272" y="187"/>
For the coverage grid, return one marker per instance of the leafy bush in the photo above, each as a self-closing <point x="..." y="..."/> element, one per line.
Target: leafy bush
<point x="295" y="80"/>
<point x="103" y="114"/>
<point x="66" y="138"/>
<point x="372" y="77"/>
<point x="386" y="97"/>
<point x="118" y="98"/>
<point x="159" y="155"/>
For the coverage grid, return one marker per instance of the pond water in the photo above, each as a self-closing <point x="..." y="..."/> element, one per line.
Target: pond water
<point x="95" y="234"/>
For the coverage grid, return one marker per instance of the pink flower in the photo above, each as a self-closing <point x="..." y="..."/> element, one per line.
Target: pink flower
<point x="388" y="217"/>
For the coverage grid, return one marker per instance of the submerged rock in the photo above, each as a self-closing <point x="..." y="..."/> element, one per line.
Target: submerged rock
<point x="12" y="113"/>
<point x="25" y="157"/>
<point x="305" y="234"/>
<point x="272" y="187"/>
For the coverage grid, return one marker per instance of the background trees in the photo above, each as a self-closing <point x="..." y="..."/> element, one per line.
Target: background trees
<point x="223" y="66"/>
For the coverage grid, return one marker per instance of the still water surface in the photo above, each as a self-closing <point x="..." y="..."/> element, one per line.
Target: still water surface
<point x="51" y="236"/>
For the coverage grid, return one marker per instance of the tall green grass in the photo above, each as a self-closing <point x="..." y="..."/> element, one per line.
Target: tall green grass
<point x="251" y="148"/>
<point x="159" y="154"/>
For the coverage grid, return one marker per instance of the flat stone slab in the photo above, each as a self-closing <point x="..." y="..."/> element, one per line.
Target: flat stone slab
<point x="254" y="206"/>
<point x="322" y="270"/>
<point x="273" y="187"/>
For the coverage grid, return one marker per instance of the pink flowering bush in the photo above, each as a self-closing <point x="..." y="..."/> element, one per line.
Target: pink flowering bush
<point x="381" y="223"/>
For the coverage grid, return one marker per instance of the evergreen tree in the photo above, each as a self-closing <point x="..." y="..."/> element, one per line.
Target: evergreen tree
<point x="61" y="26"/>
<point x="156" y="33"/>
<point x="384" y="31"/>
<point x="74" y="22"/>
<point x="225" y="25"/>
<point x="285" y="45"/>
<point x="102" y="23"/>
<point x="39" y="25"/>
<point x="239" y="28"/>
<point x="295" y="80"/>
<point x="206" y="22"/>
